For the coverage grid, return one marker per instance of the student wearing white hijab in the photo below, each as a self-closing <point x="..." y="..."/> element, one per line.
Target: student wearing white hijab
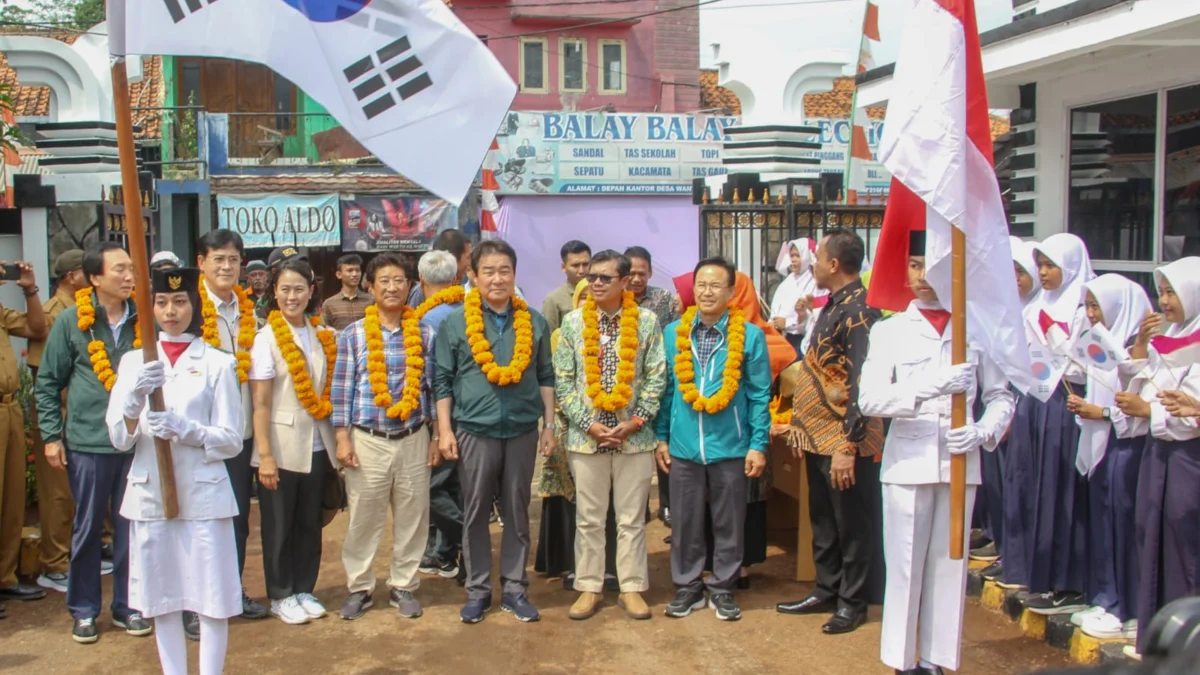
<point x="1167" y="498"/>
<point x="795" y="264"/>
<point x="1025" y="267"/>
<point x="1109" y="456"/>
<point x="1045" y="498"/>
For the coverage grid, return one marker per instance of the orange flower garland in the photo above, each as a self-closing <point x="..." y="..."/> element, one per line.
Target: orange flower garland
<point x="319" y="407"/>
<point x="247" y="326"/>
<point x="731" y="377"/>
<point x="780" y="416"/>
<point x="97" y="352"/>
<point x="482" y="349"/>
<point x="414" y="352"/>
<point x="627" y="343"/>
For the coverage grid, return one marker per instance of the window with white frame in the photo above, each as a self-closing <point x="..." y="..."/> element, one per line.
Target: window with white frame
<point x="572" y="65"/>
<point x="1181" y="175"/>
<point x="612" y="66"/>
<point x="534" y="67"/>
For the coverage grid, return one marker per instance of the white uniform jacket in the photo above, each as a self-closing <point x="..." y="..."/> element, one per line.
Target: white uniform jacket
<point x="905" y="349"/>
<point x="202" y="387"/>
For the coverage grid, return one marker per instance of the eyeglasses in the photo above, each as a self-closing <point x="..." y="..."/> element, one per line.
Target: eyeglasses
<point x="602" y="279"/>
<point x="705" y="288"/>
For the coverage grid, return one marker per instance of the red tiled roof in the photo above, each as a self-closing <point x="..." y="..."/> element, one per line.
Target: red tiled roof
<point x="317" y="182"/>
<point x="714" y="96"/>
<point x="836" y="103"/>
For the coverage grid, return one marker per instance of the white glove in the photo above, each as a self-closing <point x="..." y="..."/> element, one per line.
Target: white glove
<point x="947" y="380"/>
<point x="964" y="439"/>
<point x="151" y="376"/>
<point x="172" y="426"/>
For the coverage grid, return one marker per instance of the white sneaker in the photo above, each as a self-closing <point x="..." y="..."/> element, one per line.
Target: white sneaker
<point x="289" y="611"/>
<point x="106" y="567"/>
<point x="55" y="581"/>
<point x="1131" y="651"/>
<point x="311" y="606"/>
<point x="1108" y="627"/>
<point x="1079" y="617"/>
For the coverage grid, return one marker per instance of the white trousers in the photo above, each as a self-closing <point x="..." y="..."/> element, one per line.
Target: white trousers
<point x="923" y="601"/>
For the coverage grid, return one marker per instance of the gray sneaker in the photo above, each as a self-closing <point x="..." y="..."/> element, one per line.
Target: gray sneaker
<point x="405" y="602"/>
<point x="356" y="605"/>
<point x="55" y="581"/>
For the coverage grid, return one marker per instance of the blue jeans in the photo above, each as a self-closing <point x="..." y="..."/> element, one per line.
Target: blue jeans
<point x="98" y="486"/>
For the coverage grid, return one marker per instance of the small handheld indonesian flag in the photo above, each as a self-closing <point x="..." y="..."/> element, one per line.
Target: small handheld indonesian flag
<point x="1097" y="347"/>
<point x="1179" y="351"/>
<point x="1058" y="334"/>
<point x="1047" y="369"/>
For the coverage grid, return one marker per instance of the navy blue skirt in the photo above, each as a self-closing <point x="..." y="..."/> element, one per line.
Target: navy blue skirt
<point x="1045" y="498"/>
<point x="1112" y="568"/>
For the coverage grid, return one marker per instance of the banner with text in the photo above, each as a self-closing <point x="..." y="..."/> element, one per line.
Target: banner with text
<point x="267" y="221"/>
<point x="391" y="223"/>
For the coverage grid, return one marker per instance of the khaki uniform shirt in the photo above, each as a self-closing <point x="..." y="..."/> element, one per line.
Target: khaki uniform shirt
<point x="12" y="323"/>
<point x="53" y="307"/>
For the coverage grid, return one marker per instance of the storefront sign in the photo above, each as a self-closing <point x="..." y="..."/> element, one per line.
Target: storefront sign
<point x="386" y="223"/>
<point x="267" y="221"/>
<point x="607" y="153"/>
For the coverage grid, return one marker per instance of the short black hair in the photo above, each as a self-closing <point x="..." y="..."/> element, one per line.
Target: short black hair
<point x="93" y="258"/>
<point x="846" y="247"/>
<point x="349" y="259"/>
<point x="574" y="247"/>
<point x="639" y="252"/>
<point x="215" y="240"/>
<point x="387" y="259"/>
<point x="492" y="247"/>
<point x="299" y="266"/>
<point x="717" y="261"/>
<point x="451" y="241"/>
<point x="624" y="266"/>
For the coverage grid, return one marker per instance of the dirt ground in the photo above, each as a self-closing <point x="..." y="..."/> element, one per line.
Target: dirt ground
<point x="35" y="638"/>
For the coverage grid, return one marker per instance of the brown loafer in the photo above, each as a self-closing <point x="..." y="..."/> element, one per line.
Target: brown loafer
<point x="634" y="606"/>
<point x="586" y="606"/>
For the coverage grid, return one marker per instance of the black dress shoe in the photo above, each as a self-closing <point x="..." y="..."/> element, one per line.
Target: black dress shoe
<point x="22" y="592"/>
<point x="844" y="621"/>
<point x="810" y="605"/>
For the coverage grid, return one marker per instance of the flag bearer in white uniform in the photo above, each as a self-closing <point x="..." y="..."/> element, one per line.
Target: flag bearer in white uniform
<point x="188" y="562"/>
<point x="908" y="377"/>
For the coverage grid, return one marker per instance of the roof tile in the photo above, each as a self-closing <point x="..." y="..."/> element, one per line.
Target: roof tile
<point x="323" y="182"/>
<point x="714" y="96"/>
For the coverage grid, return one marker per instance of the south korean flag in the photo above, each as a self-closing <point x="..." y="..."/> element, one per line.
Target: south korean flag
<point x="404" y="77"/>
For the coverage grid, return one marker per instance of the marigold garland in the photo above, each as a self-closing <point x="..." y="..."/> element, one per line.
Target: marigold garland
<point x="482" y="349"/>
<point x="730" y="378"/>
<point x="97" y="352"/>
<point x="414" y="352"/>
<point x="627" y="343"/>
<point x="318" y="406"/>
<point x="780" y="416"/>
<point x="247" y="326"/>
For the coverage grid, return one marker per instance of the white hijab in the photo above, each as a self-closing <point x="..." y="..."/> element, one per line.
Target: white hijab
<point x="1069" y="253"/>
<point x="794" y="286"/>
<point x="1184" y="277"/>
<point x="1124" y="305"/>
<point x="1022" y="254"/>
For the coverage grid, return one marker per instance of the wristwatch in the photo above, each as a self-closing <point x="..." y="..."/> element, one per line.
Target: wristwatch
<point x="30" y="292"/>
<point x="1106" y="413"/>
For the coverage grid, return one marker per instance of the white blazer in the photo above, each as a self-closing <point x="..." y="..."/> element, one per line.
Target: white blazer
<point x="203" y="387"/>
<point x="904" y="349"/>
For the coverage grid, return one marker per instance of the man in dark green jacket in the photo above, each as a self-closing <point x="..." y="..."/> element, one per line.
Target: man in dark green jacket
<point x="95" y="470"/>
<point x="488" y="414"/>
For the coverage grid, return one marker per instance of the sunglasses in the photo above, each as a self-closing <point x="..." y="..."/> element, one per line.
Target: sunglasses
<point x="602" y="279"/>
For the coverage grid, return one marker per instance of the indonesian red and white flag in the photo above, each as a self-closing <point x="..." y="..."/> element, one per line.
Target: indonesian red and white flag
<point x="937" y="145"/>
<point x="1058" y="334"/>
<point x="1178" y="351"/>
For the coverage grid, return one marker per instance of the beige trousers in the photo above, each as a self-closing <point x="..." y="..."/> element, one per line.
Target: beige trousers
<point x="628" y="477"/>
<point x="389" y="473"/>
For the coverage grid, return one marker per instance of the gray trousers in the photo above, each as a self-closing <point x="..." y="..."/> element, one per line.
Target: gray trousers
<point x="722" y="486"/>
<point x="487" y="468"/>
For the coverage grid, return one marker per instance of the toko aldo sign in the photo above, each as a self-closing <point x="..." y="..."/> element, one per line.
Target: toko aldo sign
<point x="267" y="221"/>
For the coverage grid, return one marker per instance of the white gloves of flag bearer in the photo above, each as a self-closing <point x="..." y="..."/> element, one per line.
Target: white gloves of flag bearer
<point x="172" y="426"/>
<point x="947" y="380"/>
<point x="964" y="439"/>
<point x="151" y="376"/>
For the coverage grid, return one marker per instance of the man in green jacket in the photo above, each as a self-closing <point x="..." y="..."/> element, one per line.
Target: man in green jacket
<point x="713" y="433"/>
<point x="95" y="470"/>
<point x="495" y="380"/>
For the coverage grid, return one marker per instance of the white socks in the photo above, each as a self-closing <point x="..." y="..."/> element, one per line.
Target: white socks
<point x="172" y="645"/>
<point x="214" y="640"/>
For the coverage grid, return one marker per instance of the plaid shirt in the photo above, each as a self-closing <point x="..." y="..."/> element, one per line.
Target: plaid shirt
<point x="704" y="341"/>
<point x="339" y="311"/>
<point x="351" y="395"/>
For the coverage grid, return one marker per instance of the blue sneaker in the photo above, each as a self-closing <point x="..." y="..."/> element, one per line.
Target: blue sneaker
<point x="519" y="606"/>
<point x="473" y="611"/>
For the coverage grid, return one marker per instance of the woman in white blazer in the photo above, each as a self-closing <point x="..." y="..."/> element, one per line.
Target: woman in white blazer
<point x="188" y="562"/>
<point x="290" y="370"/>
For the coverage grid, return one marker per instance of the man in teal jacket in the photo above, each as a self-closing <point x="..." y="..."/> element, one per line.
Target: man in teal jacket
<point x="713" y="433"/>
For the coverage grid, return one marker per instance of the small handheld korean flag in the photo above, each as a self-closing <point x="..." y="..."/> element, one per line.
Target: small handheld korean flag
<point x="1179" y="351"/>
<point x="1047" y="368"/>
<point x="406" y="78"/>
<point x="1058" y="334"/>
<point x="1097" y="347"/>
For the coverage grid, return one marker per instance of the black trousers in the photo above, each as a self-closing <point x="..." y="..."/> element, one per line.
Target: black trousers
<point x="291" y="529"/>
<point x="845" y="533"/>
<point x="664" y="490"/>
<point x="241" y="477"/>
<point x="445" y="512"/>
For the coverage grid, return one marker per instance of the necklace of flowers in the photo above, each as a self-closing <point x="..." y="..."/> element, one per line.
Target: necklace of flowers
<point x="247" y="326"/>
<point x="414" y="353"/>
<point x="621" y="394"/>
<point x="522" y="346"/>
<point x="730" y="378"/>
<point x="319" y="407"/>
<point x="779" y="416"/>
<point x="101" y="364"/>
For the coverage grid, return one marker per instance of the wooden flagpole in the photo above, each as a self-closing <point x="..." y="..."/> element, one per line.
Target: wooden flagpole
<point x="131" y="195"/>
<point x="958" y="410"/>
